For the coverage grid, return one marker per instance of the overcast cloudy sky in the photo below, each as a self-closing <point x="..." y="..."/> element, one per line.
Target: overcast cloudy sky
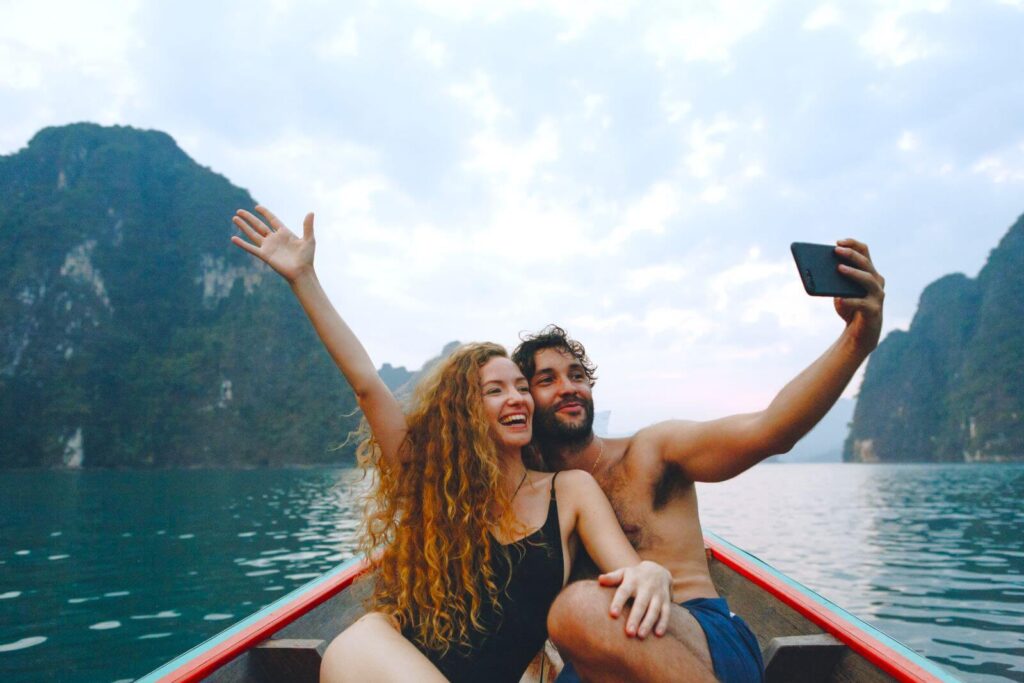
<point x="635" y="172"/>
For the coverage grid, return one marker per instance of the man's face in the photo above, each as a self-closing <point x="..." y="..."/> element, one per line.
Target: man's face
<point x="562" y="394"/>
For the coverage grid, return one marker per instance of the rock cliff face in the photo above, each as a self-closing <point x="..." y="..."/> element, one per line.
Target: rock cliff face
<point x="132" y="333"/>
<point x="951" y="389"/>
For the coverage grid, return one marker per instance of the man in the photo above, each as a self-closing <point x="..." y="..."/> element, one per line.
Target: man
<point x="649" y="478"/>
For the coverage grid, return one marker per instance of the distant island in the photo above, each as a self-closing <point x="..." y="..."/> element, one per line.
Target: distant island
<point x="951" y="388"/>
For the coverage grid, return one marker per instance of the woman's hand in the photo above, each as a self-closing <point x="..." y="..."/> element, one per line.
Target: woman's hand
<point x="650" y="586"/>
<point x="276" y="245"/>
<point x="292" y="257"/>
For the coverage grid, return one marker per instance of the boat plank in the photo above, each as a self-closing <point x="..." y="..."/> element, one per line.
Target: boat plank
<point x="853" y="668"/>
<point x="320" y="624"/>
<point x="289" y="659"/>
<point x="332" y="617"/>
<point x="767" y="616"/>
<point x="802" y="659"/>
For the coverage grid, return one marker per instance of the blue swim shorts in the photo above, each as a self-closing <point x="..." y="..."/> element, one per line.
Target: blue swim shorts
<point x="735" y="654"/>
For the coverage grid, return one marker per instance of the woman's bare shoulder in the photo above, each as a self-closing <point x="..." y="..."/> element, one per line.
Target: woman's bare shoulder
<point x="575" y="483"/>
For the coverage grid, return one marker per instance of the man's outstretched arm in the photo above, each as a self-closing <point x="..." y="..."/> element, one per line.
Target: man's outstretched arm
<point x="721" y="449"/>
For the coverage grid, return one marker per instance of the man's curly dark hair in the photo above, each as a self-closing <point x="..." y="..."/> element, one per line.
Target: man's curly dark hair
<point x="551" y="337"/>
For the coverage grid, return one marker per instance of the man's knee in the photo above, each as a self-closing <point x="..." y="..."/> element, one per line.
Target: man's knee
<point x="579" y="619"/>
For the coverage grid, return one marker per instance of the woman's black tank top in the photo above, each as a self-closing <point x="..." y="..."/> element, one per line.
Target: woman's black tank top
<point x="515" y="636"/>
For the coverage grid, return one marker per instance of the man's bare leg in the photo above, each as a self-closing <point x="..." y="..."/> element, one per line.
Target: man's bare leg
<point x="599" y="649"/>
<point x="373" y="651"/>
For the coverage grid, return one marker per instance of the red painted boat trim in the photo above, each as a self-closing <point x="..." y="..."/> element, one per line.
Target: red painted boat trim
<point x="222" y="653"/>
<point x="888" y="660"/>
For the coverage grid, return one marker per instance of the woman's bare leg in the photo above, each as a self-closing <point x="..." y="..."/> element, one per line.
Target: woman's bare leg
<point x="372" y="650"/>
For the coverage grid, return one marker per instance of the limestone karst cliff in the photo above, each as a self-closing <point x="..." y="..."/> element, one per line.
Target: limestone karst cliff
<point x="951" y="388"/>
<point x="132" y="333"/>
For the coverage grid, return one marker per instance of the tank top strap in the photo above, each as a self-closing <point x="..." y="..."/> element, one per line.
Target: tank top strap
<point x="553" y="485"/>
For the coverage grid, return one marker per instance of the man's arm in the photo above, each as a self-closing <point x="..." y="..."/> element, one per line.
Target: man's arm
<point x="721" y="449"/>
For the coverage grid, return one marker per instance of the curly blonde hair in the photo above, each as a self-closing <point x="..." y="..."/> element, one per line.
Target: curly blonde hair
<point x="430" y="515"/>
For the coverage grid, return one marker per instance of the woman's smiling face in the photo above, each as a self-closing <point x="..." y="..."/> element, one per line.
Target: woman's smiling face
<point x="507" y="403"/>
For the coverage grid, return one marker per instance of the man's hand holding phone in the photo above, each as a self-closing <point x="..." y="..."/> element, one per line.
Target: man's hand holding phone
<point x="846" y="273"/>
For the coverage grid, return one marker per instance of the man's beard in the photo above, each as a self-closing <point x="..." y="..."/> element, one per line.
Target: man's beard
<point x="548" y="429"/>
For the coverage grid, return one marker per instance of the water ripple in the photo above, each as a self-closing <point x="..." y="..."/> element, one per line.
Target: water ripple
<point x="22" y="644"/>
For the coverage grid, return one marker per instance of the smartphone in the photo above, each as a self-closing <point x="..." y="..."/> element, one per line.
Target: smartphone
<point x="818" y="265"/>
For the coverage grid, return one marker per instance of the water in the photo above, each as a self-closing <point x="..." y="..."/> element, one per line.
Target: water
<point x="931" y="554"/>
<point x="120" y="571"/>
<point x="106" y="575"/>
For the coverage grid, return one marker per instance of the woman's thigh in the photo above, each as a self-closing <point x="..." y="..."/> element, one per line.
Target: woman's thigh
<point x="373" y="650"/>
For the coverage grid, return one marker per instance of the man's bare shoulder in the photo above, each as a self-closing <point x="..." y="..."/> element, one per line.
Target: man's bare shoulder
<point x="658" y="436"/>
<point x="668" y="443"/>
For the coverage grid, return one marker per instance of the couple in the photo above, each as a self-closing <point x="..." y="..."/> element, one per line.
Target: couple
<point x="474" y="543"/>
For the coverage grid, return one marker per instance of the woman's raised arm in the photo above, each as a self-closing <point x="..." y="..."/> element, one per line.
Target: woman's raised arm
<point x="291" y="257"/>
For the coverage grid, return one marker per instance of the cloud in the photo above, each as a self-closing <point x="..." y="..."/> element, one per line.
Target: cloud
<point x="1007" y="167"/>
<point x="17" y="73"/>
<point x="908" y="142"/>
<point x="639" y="279"/>
<point x="754" y="271"/>
<point x="704" y="33"/>
<point x="466" y="10"/>
<point x="714" y="194"/>
<point x="891" y="42"/>
<point x="649" y="214"/>
<point x="589" y="324"/>
<point x="675" y="109"/>
<point x="429" y="49"/>
<point x="61" y="62"/>
<point x="685" y="325"/>
<point x="706" y="146"/>
<point x="479" y="98"/>
<point x="573" y="16"/>
<point x="823" y="16"/>
<point x="89" y="40"/>
<point x="681" y="326"/>
<point x="341" y="44"/>
<point x="636" y="168"/>
<point x="517" y="162"/>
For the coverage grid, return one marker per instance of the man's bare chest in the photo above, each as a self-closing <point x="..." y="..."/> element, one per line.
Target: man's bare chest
<point x="642" y="494"/>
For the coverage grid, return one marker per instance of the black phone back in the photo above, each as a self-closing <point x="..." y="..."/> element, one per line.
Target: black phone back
<point x="818" y="265"/>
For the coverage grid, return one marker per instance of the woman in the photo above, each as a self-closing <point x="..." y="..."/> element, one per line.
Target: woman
<point x="469" y="546"/>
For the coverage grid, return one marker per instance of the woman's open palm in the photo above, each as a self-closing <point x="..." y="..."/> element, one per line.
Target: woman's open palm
<point x="275" y="244"/>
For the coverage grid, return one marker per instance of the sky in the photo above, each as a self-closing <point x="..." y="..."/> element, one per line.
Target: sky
<point x="634" y="172"/>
